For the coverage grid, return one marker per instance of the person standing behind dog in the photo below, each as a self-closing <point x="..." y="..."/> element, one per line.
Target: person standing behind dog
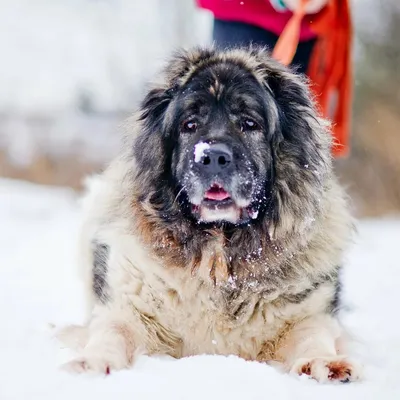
<point x="313" y="36"/>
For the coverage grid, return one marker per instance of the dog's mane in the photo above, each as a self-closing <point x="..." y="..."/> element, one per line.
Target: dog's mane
<point x="271" y="248"/>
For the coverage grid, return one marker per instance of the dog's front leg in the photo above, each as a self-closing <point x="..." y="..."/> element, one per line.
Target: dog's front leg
<point x="311" y="348"/>
<point x="113" y="339"/>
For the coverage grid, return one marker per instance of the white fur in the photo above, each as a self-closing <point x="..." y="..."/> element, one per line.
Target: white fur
<point x="230" y="214"/>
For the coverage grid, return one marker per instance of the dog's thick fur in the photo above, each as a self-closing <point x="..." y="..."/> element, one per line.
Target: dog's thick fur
<point x="267" y="289"/>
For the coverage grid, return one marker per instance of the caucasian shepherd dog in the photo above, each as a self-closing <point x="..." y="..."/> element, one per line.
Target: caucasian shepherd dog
<point x="220" y="228"/>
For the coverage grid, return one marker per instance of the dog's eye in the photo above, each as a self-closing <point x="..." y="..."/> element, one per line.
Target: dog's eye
<point x="248" y="125"/>
<point x="189" y="126"/>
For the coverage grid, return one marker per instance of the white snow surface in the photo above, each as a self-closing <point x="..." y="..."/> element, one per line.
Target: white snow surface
<point x="38" y="286"/>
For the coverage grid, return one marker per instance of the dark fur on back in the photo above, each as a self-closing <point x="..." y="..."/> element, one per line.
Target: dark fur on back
<point x="100" y="260"/>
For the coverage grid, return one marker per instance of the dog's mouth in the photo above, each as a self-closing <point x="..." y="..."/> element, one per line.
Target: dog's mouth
<point x="219" y="205"/>
<point x="217" y="193"/>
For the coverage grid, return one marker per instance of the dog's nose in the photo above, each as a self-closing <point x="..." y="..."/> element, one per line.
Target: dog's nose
<point x="215" y="158"/>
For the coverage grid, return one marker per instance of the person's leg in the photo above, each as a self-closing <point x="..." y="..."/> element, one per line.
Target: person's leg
<point x="228" y="34"/>
<point x="302" y="57"/>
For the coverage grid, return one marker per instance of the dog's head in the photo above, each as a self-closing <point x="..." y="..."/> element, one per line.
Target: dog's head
<point x="222" y="162"/>
<point x="231" y="137"/>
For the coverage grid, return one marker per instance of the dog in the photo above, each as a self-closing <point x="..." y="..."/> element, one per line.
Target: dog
<point x="220" y="228"/>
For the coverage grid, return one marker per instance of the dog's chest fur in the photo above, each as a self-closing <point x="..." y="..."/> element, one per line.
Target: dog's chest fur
<point x="203" y="309"/>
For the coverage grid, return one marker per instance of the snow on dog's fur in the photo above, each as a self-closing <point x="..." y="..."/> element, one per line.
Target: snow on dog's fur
<point x="234" y="248"/>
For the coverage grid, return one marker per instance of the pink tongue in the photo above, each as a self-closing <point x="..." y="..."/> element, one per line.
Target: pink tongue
<point x="216" y="193"/>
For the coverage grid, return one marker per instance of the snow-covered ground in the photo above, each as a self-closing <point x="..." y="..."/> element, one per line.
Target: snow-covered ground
<point x="38" y="286"/>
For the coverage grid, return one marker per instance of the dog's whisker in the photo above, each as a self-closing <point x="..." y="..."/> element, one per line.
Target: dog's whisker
<point x="176" y="198"/>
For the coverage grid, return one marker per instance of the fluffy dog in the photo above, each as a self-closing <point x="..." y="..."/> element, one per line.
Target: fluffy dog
<point x="220" y="228"/>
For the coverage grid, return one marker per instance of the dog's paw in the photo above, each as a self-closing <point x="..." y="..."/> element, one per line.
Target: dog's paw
<point x="328" y="369"/>
<point x="94" y="364"/>
<point x="87" y="365"/>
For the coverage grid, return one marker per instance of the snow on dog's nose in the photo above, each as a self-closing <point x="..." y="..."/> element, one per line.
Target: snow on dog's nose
<point x="213" y="159"/>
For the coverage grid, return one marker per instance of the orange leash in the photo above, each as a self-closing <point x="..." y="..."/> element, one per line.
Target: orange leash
<point x="286" y="46"/>
<point x="330" y="69"/>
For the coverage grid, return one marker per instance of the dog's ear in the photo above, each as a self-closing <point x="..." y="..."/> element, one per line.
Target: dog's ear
<point x="154" y="106"/>
<point x="149" y="145"/>
<point x="300" y="125"/>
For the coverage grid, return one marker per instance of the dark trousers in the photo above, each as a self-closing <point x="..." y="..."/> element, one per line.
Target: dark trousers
<point x="234" y="34"/>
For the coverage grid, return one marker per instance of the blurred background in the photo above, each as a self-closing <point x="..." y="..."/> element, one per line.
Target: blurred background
<point x="71" y="71"/>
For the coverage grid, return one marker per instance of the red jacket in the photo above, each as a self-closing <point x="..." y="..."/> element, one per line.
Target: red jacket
<point x="256" y="12"/>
